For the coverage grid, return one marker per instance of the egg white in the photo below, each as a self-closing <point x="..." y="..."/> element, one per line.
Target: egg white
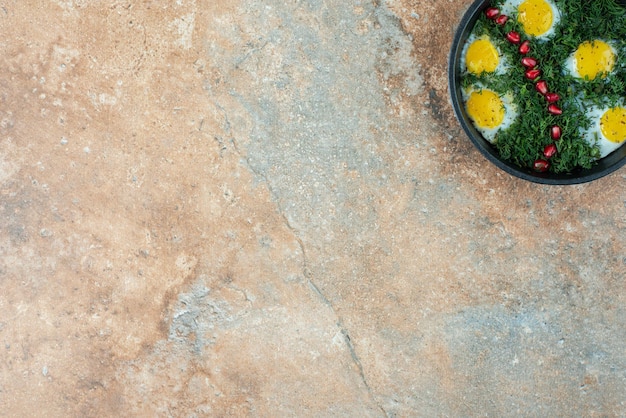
<point x="510" y="8"/>
<point x="503" y="66"/>
<point x="510" y="113"/>
<point x="593" y="135"/>
<point x="569" y="66"/>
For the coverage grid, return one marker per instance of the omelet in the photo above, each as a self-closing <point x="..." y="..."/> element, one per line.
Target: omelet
<point x="538" y="18"/>
<point x="595" y="58"/>
<point x="489" y="111"/>
<point x="480" y="55"/>
<point x="608" y="128"/>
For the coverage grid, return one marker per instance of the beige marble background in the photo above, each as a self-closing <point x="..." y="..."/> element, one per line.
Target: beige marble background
<point x="267" y="208"/>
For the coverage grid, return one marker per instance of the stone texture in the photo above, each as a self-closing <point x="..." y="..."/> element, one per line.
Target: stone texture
<point x="266" y="208"/>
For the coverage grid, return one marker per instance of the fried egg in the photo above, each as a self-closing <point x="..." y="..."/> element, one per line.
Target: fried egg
<point x="481" y="55"/>
<point x="608" y="129"/>
<point x="538" y="18"/>
<point x="591" y="59"/>
<point x="490" y="112"/>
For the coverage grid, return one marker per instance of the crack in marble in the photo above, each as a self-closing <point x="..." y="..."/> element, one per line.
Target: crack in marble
<point x="344" y="331"/>
<point x="305" y="269"/>
<point x="249" y="54"/>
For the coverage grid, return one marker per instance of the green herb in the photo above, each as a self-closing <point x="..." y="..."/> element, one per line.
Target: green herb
<point x="580" y="21"/>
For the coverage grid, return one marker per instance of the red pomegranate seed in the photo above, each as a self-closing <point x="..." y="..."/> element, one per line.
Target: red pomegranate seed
<point x="552" y="97"/>
<point x="513" y="37"/>
<point x="529" y="62"/>
<point x="532" y="74"/>
<point x="549" y="150"/>
<point x="541" y="165"/>
<point x="501" y="20"/>
<point x="524" y="48"/>
<point x="541" y="86"/>
<point x="555" y="132"/>
<point x="492" y="13"/>
<point x="554" y="110"/>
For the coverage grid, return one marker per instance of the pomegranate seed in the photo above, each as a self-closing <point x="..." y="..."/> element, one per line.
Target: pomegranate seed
<point x="541" y="165"/>
<point x="492" y="13"/>
<point x="549" y="150"/>
<point x="529" y="62"/>
<point x="513" y="37"/>
<point x="555" y="132"/>
<point x="554" y="110"/>
<point x="532" y="74"/>
<point x="541" y="86"/>
<point x="552" y="97"/>
<point x="501" y="20"/>
<point x="524" y="48"/>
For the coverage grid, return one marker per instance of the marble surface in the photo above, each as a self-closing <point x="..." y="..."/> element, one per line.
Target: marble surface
<point x="267" y="208"/>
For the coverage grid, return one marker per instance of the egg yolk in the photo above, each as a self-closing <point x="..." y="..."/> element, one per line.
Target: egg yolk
<point x="535" y="16"/>
<point x="481" y="57"/>
<point x="485" y="108"/>
<point x="593" y="58"/>
<point x="613" y="124"/>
